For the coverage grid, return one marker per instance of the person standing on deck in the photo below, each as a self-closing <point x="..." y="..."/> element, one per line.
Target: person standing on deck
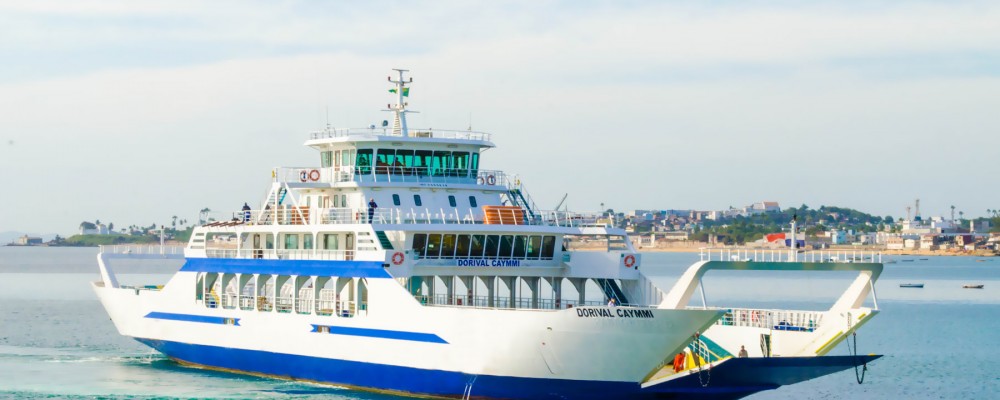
<point x="679" y="362"/>
<point x="743" y="352"/>
<point x="611" y="302"/>
<point x="371" y="210"/>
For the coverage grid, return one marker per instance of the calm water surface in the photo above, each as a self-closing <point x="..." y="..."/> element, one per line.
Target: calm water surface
<point x="940" y="341"/>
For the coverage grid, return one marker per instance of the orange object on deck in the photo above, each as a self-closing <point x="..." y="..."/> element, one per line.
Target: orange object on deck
<point x="503" y="215"/>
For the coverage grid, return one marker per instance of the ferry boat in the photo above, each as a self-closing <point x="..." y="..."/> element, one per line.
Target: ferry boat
<point x="399" y="265"/>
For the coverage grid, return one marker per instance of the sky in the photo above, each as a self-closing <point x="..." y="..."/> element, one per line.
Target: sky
<point x="132" y="112"/>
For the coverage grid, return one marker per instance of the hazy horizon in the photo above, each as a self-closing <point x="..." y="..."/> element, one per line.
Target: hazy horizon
<point x="134" y="112"/>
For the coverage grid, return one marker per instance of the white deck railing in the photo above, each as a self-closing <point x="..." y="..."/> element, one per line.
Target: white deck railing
<point x="787" y="255"/>
<point x="391" y="174"/>
<point x="394" y="215"/>
<point x="141" y="249"/>
<point x="503" y="302"/>
<point x="790" y="320"/>
<point x="281" y="254"/>
<point x="332" y="133"/>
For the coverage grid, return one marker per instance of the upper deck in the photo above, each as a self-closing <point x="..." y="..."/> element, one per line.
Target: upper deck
<point x="339" y="135"/>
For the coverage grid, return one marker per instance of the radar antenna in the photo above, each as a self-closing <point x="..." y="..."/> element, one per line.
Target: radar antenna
<point x="399" y="109"/>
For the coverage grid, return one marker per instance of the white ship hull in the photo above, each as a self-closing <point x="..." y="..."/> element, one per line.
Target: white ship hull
<point x="403" y="346"/>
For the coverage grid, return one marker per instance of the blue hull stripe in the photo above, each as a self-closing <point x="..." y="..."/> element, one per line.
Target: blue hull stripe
<point x="204" y="319"/>
<point x="382" y="334"/>
<point x="390" y="377"/>
<point x="352" y="269"/>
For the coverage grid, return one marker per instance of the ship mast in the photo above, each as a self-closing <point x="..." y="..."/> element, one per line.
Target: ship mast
<point x="399" y="109"/>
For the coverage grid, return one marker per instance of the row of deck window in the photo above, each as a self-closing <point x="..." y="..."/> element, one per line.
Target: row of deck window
<point x="448" y="246"/>
<point x="312" y="295"/>
<point x="404" y="162"/>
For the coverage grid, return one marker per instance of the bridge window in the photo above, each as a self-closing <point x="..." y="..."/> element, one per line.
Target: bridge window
<point x="462" y="246"/>
<point x="451" y="200"/>
<point x="363" y="164"/>
<point x="395" y="200"/>
<point x="548" y="247"/>
<point x="506" y="246"/>
<point x="519" y="246"/>
<point x="474" y="164"/>
<point x="478" y="246"/>
<point x="448" y="246"/>
<point x="472" y="202"/>
<point x="492" y="246"/>
<point x="534" y="247"/>
<point x="433" y="246"/>
<point x="420" y="243"/>
<point x="326" y="159"/>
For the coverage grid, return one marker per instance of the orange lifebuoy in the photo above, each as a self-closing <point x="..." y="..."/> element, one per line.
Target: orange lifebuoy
<point x="398" y="258"/>
<point x="314" y="175"/>
<point x="492" y="180"/>
<point x="629" y="261"/>
<point x="303" y="175"/>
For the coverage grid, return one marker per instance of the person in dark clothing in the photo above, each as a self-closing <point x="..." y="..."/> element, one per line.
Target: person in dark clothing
<point x="371" y="210"/>
<point x="246" y="212"/>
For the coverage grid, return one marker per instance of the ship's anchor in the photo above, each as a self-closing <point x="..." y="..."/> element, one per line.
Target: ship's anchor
<point x="860" y="377"/>
<point x="698" y="345"/>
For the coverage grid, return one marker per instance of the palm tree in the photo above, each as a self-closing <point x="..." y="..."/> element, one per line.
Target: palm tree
<point x="953" y="213"/>
<point x="203" y="215"/>
<point x="174" y="223"/>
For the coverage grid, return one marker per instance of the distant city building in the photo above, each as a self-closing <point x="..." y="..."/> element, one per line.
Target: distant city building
<point x="929" y="242"/>
<point x="27" y="241"/>
<point x="97" y="229"/>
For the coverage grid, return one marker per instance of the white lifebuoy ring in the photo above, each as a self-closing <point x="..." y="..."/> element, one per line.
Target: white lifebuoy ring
<point x="303" y="175"/>
<point x="398" y="258"/>
<point x="480" y="180"/>
<point x="492" y="180"/>
<point x="629" y="261"/>
<point x="314" y="175"/>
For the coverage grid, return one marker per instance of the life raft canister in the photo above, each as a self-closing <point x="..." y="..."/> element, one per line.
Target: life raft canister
<point x="397" y="258"/>
<point x="629" y="261"/>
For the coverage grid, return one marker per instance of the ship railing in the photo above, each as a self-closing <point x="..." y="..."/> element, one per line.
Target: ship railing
<point x="387" y="173"/>
<point x="341" y="308"/>
<point x="332" y="133"/>
<point x="283" y="304"/>
<point x="247" y="303"/>
<point x="504" y="302"/>
<point x="282" y="254"/>
<point x="229" y="300"/>
<point x="265" y="303"/>
<point x="787" y="320"/>
<point x="141" y="249"/>
<point x="303" y="305"/>
<point x="743" y="254"/>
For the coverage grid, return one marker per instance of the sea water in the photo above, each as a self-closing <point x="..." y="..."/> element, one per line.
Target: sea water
<point x="56" y="341"/>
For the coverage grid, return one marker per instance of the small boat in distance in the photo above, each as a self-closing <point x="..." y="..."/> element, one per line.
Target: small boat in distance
<point x="912" y="285"/>
<point x="972" y="286"/>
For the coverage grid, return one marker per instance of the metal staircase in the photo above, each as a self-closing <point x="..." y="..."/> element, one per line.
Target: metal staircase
<point x="517" y="195"/>
<point x="612" y="291"/>
<point x="383" y="240"/>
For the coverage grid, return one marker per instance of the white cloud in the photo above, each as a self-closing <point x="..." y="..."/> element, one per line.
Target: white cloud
<point x="648" y="106"/>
